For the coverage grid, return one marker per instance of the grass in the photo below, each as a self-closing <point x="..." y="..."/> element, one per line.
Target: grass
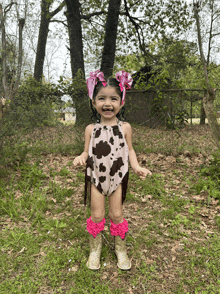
<point x="174" y="224"/>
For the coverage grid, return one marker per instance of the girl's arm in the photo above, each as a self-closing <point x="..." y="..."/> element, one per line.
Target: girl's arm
<point x="81" y="160"/>
<point x="142" y="172"/>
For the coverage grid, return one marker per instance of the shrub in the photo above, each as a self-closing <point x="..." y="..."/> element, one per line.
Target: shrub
<point x="33" y="104"/>
<point x="212" y="174"/>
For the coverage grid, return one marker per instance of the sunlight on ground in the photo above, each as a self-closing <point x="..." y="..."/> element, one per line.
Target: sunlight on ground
<point x="68" y="122"/>
<point x="196" y="121"/>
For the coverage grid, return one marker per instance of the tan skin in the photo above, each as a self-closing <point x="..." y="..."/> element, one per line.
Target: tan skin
<point x="108" y="103"/>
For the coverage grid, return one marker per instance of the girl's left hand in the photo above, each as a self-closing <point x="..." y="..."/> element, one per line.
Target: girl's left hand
<point x="142" y="172"/>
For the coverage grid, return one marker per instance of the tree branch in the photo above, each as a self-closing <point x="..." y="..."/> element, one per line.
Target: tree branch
<point x="210" y="37"/>
<point x="214" y="35"/>
<point x="97" y="23"/>
<point x="60" y="21"/>
<point x="217" y="15"/>
<point x="136" y="25"/>
<point x="135" y="18"/>
<point x="92" y="14"/>
<point x="58" y="9"/>
<point x="9" y="6"/>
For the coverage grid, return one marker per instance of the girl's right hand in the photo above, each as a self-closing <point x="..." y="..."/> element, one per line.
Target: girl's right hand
<point x="79" y="160"/>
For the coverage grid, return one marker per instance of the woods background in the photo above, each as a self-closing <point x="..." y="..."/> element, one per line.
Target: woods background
<point x="166" y="45"/>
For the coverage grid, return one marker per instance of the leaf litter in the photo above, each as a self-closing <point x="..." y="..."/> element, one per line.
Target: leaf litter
<point x="166" y="257"/>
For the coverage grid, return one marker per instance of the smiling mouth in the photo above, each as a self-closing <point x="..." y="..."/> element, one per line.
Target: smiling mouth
<point x="108" y="110"/>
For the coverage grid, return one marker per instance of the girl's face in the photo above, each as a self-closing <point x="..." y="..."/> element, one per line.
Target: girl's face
<point x="107" y="103"/>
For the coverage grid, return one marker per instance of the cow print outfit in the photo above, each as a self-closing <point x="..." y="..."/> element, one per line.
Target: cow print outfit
<point x="107" y="163"/>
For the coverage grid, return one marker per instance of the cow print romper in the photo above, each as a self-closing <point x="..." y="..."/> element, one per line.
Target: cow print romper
<point x="107" y="163"/>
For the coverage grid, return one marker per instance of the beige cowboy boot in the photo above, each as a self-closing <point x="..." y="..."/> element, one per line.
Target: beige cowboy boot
<point x="93" y="262"/>
<point x="121" y="252"/>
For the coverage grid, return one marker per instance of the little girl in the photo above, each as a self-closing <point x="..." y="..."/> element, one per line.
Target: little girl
<point x="108" y="150"/>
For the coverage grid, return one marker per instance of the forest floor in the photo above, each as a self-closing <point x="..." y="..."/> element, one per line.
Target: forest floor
<point x="173" y="216"/>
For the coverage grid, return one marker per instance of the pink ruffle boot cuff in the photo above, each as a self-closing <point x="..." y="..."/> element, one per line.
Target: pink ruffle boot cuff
<point x="119" y="229"/>
<point x="95" y="228"/>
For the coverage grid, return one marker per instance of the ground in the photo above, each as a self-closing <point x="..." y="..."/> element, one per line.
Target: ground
<point x="173" y="239"/>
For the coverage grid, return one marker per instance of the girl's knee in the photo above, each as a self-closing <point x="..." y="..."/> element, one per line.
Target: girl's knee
<point x="97" y="216"/>
<point x="116" y="216"/>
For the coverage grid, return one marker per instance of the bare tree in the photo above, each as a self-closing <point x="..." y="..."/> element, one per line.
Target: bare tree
<point x="208" y="99"/>
<point x="46" y="17"/>
<point x="11" y="87"/>
<point x="211" y="21"/>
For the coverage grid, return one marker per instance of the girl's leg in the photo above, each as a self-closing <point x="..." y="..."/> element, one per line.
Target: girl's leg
<point x="115" y="206"/>
<point x="119" y="228"/>
<point x="95" y="224"/>
<point x="97" y="205"/>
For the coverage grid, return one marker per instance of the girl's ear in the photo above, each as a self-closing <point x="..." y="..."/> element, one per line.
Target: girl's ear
<point x="93" y="102"/>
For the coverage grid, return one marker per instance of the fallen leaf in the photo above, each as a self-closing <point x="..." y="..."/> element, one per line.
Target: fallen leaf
<point x="173" y="249"/>
<point x="198" y="198"/>
<point x="149" y="261"/>
<point x="146" y="198"/>
<point x="24" y="218"/>
<point x="22" y="250"/>
<point x="69" y="180"/>
<point x="214" y="202"/>
<point x="210" y="232"/>
<point x="173" y="258"/>
<point x="74" y="268"/>
<point x="104" y="277"/>
<point x="204" y="224"/>
<point x="67" y="213"/>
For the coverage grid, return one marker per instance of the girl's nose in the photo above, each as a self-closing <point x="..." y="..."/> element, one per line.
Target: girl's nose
<point x="108" y="102"/>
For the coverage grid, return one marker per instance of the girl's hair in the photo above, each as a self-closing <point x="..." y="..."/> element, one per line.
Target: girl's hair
<point x="112" y="83"/>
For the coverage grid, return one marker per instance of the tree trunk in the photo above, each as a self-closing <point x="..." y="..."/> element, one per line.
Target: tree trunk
<point x="10" y="88"/>
<point x="208" y="100"/>
<point x="202" y="115"/>
<point x="75" y="36"/>
<point x="21" y="23"/>
<point x="4" y="65"/>
<point x="211" y="116"/>
<point x="46" y="17"/>
<point x="83" y="111"/>
<point x="108" y="54"/>
<point x="42" y="40"/>
<point x="80" y="97"/>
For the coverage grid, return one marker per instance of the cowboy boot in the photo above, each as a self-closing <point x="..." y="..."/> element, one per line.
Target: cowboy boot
<point x="121" y="252"/>
<point x="119" y="231"/>
<point x="95" y="242"/>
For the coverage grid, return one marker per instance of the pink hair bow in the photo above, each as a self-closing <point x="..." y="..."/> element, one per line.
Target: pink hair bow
<point x="125" y="82"/>
<point x="92" y="81"/>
